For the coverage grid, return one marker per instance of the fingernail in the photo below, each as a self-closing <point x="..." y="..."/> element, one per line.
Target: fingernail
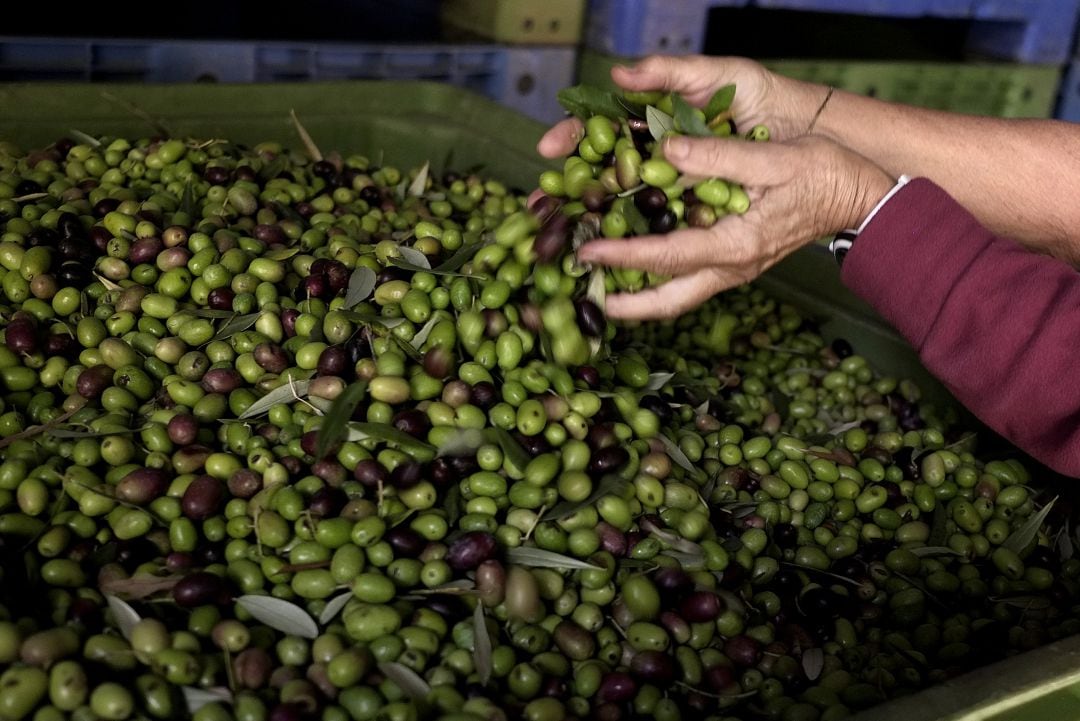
<point x="676" y="148"/>
<point x="628" y="68"/>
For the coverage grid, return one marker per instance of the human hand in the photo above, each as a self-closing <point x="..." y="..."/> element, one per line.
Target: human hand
<point x="784" y="105"/>
<point x="799" y="190"/>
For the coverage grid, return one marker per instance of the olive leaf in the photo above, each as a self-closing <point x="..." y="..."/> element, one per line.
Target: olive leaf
<point x="406" y="679"/>
<point x="720" y="102"/>
<point x="609" y="485"/>
<point x="282" y="394"/>
<point x="539" y="558"/>
<point x="462" y="442"/>
<point x="309" y="144"/>
<point x="125" y="616"/>
<point x="481" y="645"/>
<point x="280" y="615"/>
<point x="414" y="257"/>
<point x="596" y="292"/>
<point x="85" y="138"/>
<point x="813" y="662"/>
<point x="419" y="183"/>
<point x="196" y="698"/>
<point x="1018" y="540"/>
<point x="686" y="118"/>
<point x="460" y="257"/>
<point x="109" y="285"/>
<point x="637" y="222"/>
<point x="333" y="607"/>
<point x="584" y="101"/>
<point x="332" y="428"/>
<point x="236" y="325"/>
<point x="422" y="334"/>
<point x="361" y="285"/>
<point x="674" y="452"/>
<point x="76" y="433"/>
<point x="212" y="314"/>
<point x="688" y="561"/>
<point x="1065" y="544"/>
<point x="358" y="431"/>
<point x="658" y="381"/>
<point x="282" y="253"/>
<point x="1023" y="602"/>
<point x="660" y="123"/>
<point x="511" y="449"/>
<point x="672" y="540"/>
<point x="924" y="551"/>
<point x="406" y="348"/>
<point x="138" y="586"/>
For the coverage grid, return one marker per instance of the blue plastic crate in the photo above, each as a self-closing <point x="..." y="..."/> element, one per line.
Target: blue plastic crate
<point x="1027" y="31"/>
<point x="524" y="78"/>
<point x="1069" y="97"/>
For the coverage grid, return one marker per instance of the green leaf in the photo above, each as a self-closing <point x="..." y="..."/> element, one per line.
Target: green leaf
<point x="720" y="102"/>
<point x="674" y="452"/>
<point x="125" y="616"/>
<point x="274" y="168"/>
<point x="236" y="325"/>
<point x="333" y="607"/>
<point x="78" y="433"/>
<point x="213" y="314"/>
<point x="481" y="645"/>
<point x="286" y="393"/>
<point x="585" y="101"/>
<point x="361" y="430"/>
<point x="187" y="200"/>
<point x="462" y="442"/>
<point x="1018" y="540"/>
<point x="195" y="698"/>
<point x="85" y="138"/>
<point x="422" y="334"/>
<point x="280" y="615"/>
<point x="608" y="485"/>
<point x="419" y="183"/>
<point x="634" y="218"/>
<point x="414" y="257"/>
<point x="511" y="449"/>
<point x="282" y="253"/>
<point x="332" y="428"/>
<point x="406" y="679"/>
<point x="539" y="558"/>
<point x="924" y="551"/>
<point x="686" y="118"/>
<point x="658" y="381"/>
<point x="660" y="122"/>
<point x="361" y="285"/>
<point x="460" y="257"/>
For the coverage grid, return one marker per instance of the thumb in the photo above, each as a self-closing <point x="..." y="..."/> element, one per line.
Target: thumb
<point x="742" y="161"/>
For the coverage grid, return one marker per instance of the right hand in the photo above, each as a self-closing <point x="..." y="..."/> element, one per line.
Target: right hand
<point x="784" y="105"/>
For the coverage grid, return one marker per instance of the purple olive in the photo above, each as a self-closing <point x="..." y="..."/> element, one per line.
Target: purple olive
<point x="221" y="299"/>
<point x="93" y="381"/>
<point x="222" y="380"/>
<point x="406" y="542"/>
<point x="590" y="318"/>
<point x="269" y="234"/>
<point x="330" y="471"/>
<point x="574" y="641"/>
<point x="182" y="429"/>
<point x="145" y="250"/>
<point x="406" y="474"/>
<point x="720" y="678"/>
<point x="252" y="667"/>
<point x="333" y="361"/>
<point x="371" y="473"/>
<point x="438" y="362"/>
<point x="655" y="667"/>
<point x="552" y="238"/>
<point x="607" y="460"/>
<point x="743" y="650"/>
<point x="271" y="357"/>
<point x="200" y="589"/>
<point x="616" y="687"/>
<point x="701" y="607"/>
<point x="412" y="421"/>
<point x="327" y="502"/>
<point x="203" y="498"/>
<point x="470" y="550"/>
<point x="21" y="337"/>
<point x="142" y="486"/>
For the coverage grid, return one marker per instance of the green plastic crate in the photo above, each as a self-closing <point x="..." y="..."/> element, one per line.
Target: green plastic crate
<point x="998" y="89"/>
<point x="412" y="122"/>
<point x="519" y="22"/>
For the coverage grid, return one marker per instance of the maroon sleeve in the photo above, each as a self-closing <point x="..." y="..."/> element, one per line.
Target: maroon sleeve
<point x="998" y="324"/>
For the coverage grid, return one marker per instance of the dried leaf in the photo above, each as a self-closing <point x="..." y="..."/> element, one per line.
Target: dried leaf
<point x="660" y="122"/>
<point x="85" y="138"/>
<point x="361" y="285"/>
<point x="333" y="607"/>
<point x="109" y="285"/>
<point x="138" y="587"/>
<point x="539" y="558"/>
<point x="333" y="426"/>
<point x="407" y="680"/>
<point x="584" y="101"/>
<point x="196" y="698"/>
<point x="813" y="662"/>
<point x="481" y="645"/>
<point x="282" y="394"/>
<point x="686" y="118"/>
<point x="419" y="183"/>
<point x="1018" y="540"/>
<point x="305" y="138"/>
<point x="674" y="452"/>
<point x="125" y="616"/>
<point x="280" y="615"/>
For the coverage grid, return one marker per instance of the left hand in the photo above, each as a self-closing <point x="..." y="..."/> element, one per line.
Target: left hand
<point x="799" y="190"/>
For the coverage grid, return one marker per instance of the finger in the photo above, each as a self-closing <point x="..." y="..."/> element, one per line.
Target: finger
<point x="677" y="253"/>
<point x="669" y="300"/>
<point x="756" y="164"/>
<point x="533" y="197"/>
<point x="694" y="76"/>
<point x="561" y="139"/>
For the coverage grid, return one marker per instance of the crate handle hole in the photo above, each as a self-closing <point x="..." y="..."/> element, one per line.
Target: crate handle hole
<point x="528" y="24"/>
<point x="206" y="78"/>
<point x="525" y="84"/>
<point x="554" y="25"/>
<point x="663" y="42"/>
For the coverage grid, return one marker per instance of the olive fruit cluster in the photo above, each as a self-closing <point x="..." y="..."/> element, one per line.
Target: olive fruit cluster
<point x="319" y="440"/>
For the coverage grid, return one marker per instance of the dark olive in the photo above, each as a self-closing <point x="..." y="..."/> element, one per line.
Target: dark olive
<point x="406" y="474"/>
<point x="470" y="550"/>
<point x="202" y="498"/>
<point x="484" y="395"/>
<point x="406" y="542"/>
<point x="370" y="473"/>
<point x="183" y="428"/>
<point x="701" y="606"/>
<point x="552" y="238"/>
<point x="412" y="421"/>
<point x="590" y="318"/>
<point x="93" y="381"/>
<point x="221" y="299"/>
<point x="142" y="486"/>
<point x="200" y="589"/>
<point x="333" y="361"/>
<point x="271" y="357"/>
<point x="21" y="338"/>
<point x="651" y="201"/>
<point x="743" y="650"/>
<point x="616" y="687"/>
<point x="222" y="380"/>
<point x="663" y="222"/>
<point x="608" y="460"/>
<point x="327" y="502"/>
<point x="655" y="667"/>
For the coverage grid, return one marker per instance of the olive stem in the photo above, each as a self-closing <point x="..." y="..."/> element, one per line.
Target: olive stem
<point x="34" y="430"/>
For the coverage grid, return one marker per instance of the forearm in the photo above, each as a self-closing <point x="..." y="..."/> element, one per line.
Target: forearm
<point x="997" y="324"/>
<point x="1020" y="178"/>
